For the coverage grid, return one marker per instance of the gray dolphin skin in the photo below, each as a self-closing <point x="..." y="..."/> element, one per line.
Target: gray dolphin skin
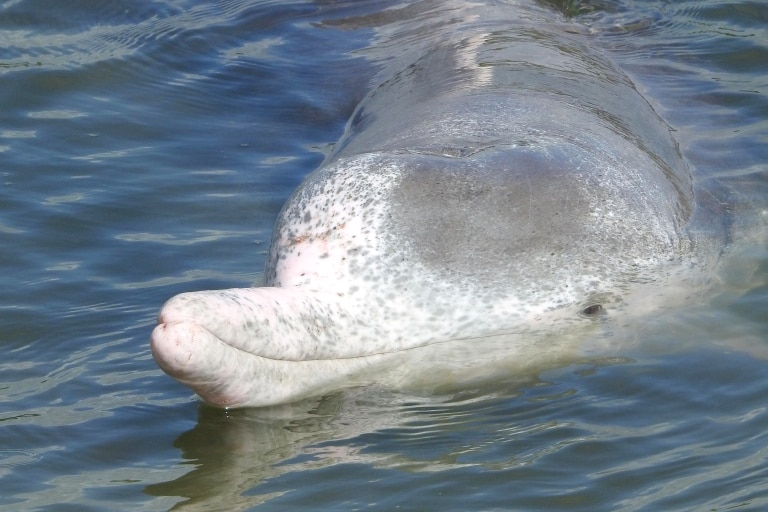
<point x="502" y="181"/>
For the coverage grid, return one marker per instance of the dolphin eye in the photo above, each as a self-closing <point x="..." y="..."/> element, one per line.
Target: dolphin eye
<point x="592" y="310"/>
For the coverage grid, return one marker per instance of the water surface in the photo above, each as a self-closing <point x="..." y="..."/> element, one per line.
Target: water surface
<point x="145" y="150"/>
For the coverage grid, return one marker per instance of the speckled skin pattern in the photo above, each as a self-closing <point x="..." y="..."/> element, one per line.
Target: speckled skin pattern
<point x="466" y="201"/>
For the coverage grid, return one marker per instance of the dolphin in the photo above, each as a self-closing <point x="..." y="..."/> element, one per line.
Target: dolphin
<point x="502" y="181"/>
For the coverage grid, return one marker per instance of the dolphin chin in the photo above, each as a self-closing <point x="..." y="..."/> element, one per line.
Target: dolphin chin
<point x="492" y="203"/>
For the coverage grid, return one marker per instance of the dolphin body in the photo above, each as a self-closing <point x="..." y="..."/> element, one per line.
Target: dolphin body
<point x="503" y="181"/>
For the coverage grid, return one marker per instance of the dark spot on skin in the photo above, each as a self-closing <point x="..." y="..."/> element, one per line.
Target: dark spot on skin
<point x="592" y="310"/>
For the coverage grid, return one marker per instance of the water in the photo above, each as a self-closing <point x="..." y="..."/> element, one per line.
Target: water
<point x="145" y="150"/>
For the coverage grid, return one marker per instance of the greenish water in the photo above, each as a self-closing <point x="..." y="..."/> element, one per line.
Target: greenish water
<point x="145" y="150"/>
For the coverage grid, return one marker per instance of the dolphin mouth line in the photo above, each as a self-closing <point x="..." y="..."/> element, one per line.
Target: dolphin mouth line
<point x="240" y="350"/>
<point x="360" y="357"/>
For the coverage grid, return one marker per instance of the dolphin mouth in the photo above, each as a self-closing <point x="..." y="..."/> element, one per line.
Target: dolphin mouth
<point x="235" y="348"/>
<point x="227" y="376"/>
<point x="229" y="366"/>
<point x="214" y="343"/>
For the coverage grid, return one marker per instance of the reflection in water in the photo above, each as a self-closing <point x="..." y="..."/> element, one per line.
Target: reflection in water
<point x="234" y="451"/>
<point x="525" y="444"/>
